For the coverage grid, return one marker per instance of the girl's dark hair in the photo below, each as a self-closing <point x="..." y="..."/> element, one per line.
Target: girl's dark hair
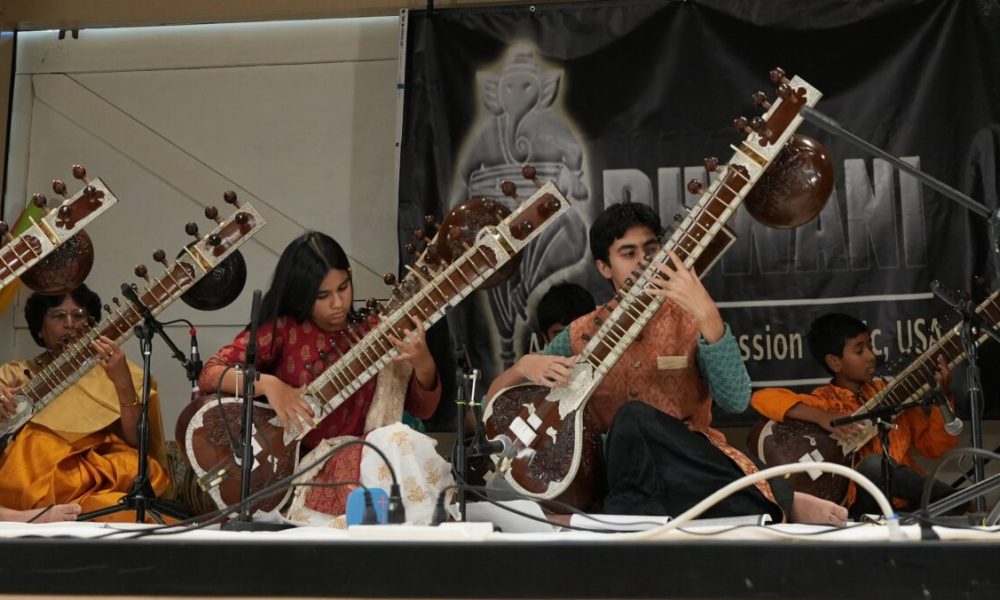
<point x="301" y="269"/>
<point x="829" y="334"/>
<point x="617" y="219"/>
<point x="38" y="305"/>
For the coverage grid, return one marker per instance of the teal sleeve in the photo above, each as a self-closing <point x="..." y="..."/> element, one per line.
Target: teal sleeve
<point x="559" y="346"/>
<point x="722" y="366"/>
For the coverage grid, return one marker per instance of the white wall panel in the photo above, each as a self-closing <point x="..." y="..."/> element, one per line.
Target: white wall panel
<point x="298" y="118"/>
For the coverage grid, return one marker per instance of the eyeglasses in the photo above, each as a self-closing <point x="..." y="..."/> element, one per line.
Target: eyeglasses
<point x="77" y="315"/>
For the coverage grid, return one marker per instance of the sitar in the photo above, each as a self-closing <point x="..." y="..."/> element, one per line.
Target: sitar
<point x="78" y="357"/>
<point x="62" y="225"/>
<point x="555" y="448"/>
<point x="778" y="443"/>
<point x="206" y="428"/>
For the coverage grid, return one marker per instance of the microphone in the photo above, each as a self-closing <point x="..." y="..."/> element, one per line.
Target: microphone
<point x="949" y="296"/>
<point x="952" y="424"/>
<point x="194" y="364"/>
<point x="500" y="445"/>
<point x="133" y="297"/>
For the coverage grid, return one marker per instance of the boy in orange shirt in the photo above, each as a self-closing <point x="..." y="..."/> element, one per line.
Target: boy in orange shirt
<point x="843" y="346"/>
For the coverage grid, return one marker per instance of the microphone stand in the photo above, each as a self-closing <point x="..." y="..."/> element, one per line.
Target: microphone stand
<point x="142" y="498"/>
<point x="882" y="418"/>
<point x="972" y="380"/>
<point x="244" y="522"/>
<point x="466" y="398"/>
<point x="972" y="326"/>
<point x="992" y="217"/>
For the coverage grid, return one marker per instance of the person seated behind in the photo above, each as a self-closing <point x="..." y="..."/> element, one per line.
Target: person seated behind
<point x="842" y="345"/>
<point x="307" y="324"/>
<point x="563" y="303"/>
<point x="656" y="402"/>
<point x="81" y="449"/>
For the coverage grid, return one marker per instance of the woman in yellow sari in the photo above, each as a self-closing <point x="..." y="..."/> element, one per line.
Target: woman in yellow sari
<point x="81" y="449"/>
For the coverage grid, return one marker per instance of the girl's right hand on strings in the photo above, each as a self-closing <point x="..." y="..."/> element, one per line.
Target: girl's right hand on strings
<point x="294" y="413"/>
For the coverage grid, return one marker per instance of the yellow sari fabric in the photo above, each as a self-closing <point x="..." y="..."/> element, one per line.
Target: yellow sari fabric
<point x="67" y="453"/>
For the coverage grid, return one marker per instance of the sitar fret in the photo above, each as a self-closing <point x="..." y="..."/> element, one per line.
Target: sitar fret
<point x="7" y="259"/>
<point x="341" y="379"/>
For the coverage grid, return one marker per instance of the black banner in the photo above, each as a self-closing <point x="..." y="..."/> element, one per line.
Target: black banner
<point x="621" y="101"/>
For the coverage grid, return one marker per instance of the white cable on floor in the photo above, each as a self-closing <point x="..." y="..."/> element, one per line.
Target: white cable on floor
<point x="892" y="521"/>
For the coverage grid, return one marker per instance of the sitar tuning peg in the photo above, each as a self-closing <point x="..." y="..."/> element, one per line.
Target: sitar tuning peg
<point x="695" y="187"/>
<point x="214" y="240"/>
<point x="759" y="126"/>
<point x="161" y="257"/>
<point x="777" y="75"/>
<point x="431" y="256"/>
<point x="390" y="280"/>
<point x="107" y="309"/>
<point x="116" y="302"/>
<point x="550" y="207"/>
<point x="759" y="99"/>
<point x="530" y="173"/>
<point x="410" y="248"/>
<point x="431" y="221"/>
<point x="4" y="230"/>
<point x="509" y="189"/>
<point x="230" y="198"/>
<point x="242" y="218"/>
<point x="455" y="234"/>
<point x="213" y="213"/>
<point x="80" y="172"/>
<point x="372" y="305"/>
<point x="192" y="230"/>
<point x="40" y="200"/>
<point x="742" y="125"/>
<point x="711" y="164"/>
<point x="416" y="273"/>
<point x="59" y="187"/>
<point x="141" y="271"/>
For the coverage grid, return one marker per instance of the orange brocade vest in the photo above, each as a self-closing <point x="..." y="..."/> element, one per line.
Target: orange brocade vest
<point x="679" y="390"/>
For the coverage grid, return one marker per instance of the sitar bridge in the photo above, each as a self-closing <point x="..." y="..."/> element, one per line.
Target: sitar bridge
<point x="197" y="256"/>
<point x="45" y="228"/>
